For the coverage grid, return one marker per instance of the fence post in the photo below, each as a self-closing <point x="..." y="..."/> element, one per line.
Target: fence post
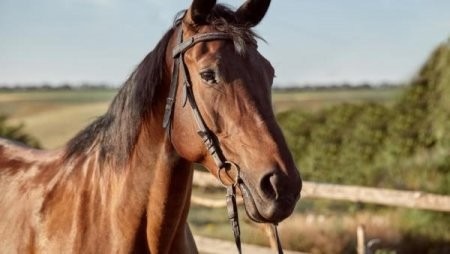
<point x="360" y="240"/>
<point x="270" y="234"/>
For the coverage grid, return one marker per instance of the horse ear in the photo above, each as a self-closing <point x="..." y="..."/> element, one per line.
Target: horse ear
<point x="199" y="10"/>
<point x="252" y="12"/>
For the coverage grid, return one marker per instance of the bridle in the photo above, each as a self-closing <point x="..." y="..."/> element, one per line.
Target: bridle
<point x="209" y="140"/>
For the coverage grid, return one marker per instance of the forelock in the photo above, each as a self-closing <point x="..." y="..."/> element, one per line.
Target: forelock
<point x="224" y="20"/>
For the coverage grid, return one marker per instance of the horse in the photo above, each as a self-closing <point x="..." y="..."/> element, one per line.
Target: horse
<point x="123" y="184"/>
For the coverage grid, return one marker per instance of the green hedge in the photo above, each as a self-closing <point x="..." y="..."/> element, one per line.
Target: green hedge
<point x="405" y="146"/>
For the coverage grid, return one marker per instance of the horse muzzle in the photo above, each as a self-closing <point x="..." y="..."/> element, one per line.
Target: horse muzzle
<point x="269" y="201"/>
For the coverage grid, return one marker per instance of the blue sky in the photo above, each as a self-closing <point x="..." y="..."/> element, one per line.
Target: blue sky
<point x="308" y="41"/>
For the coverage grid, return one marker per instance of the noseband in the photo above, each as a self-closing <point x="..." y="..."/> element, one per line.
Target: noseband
<point x="209" y="140"/>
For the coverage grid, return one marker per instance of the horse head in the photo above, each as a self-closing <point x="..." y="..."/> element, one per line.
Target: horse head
<point x="220" y="72"/>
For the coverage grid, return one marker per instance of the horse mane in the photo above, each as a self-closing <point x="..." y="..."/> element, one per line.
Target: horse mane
<point x="115" y="133"/>
<point x="117" y="130"/>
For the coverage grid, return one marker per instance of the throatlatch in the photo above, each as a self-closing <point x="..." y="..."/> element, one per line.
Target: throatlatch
<point x="209" y="140"/>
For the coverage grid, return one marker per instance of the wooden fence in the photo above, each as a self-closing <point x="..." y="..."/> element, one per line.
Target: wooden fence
<point x="409" y="199"/>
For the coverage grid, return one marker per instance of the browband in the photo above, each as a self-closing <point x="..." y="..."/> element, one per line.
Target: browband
<point x="191" y="41"/>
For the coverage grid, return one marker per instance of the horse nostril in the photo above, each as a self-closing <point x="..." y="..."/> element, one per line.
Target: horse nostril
<point x="268" y="186"/>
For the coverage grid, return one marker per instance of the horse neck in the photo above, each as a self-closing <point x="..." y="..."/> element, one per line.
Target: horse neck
<point x="145" y="200"/>
<point x="153" y="186"/>
<point x="170" y="183"/>
<point x="160" y="182"/>
<point x="168" y="202"/>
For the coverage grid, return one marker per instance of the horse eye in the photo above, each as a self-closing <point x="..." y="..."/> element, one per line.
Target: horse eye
<point x="209" y="76"/>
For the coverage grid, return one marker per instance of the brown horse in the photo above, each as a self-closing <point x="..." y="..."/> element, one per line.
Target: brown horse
<point x="123" y="184"/>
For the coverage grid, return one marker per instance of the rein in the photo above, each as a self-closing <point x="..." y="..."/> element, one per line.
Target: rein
<point x="211" y="143"/>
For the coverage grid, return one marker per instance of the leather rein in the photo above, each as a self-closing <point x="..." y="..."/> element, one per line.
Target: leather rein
<point x="209" y="140"/>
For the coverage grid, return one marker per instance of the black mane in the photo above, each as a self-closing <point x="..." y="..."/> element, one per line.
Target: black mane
<point x="116" y="132"/>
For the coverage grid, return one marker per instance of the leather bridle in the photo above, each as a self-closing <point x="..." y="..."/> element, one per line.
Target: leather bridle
<point x="209" y="140"/>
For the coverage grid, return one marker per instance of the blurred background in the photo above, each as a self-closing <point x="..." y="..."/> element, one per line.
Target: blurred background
<point x="362" y="94"/>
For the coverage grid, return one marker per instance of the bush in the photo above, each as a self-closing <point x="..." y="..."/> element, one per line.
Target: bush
<point x="405" y="146"/>
<point x="16" y="133"/>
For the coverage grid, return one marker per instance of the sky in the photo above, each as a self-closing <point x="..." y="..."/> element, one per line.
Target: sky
<point x="308" y="41"/>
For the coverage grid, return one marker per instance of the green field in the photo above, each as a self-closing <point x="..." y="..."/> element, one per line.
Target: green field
<point x="53" y="117"/>
<point x="313" y="101"/>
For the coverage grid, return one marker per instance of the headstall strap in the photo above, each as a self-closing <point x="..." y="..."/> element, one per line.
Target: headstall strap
<point x="275" y="232"/>
<point x="173" y="89"/>
<point x="208" y="139"/>
<point x="233" y="215"/>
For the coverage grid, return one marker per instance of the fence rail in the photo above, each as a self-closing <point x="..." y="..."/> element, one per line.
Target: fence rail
<point x="409" y="199"/>
<point x="208" y="245"/>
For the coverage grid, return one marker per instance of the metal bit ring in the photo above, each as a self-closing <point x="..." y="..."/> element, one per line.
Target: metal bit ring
<point x="231" y="166"/>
